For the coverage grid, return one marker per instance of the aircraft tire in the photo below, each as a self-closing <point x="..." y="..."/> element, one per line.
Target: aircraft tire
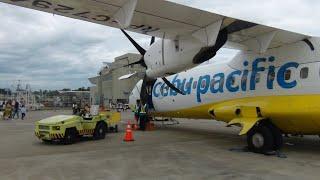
<point x="260" y="139"/>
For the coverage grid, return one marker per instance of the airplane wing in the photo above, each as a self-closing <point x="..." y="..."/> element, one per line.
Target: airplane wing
<point x="167" y="20"/>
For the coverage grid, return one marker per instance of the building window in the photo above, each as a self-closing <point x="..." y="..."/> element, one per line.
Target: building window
<point x="304" y="73"/>
<point x="287" y="74"/>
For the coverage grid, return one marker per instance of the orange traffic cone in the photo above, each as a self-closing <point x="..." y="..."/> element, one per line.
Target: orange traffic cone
<point x="129" y="135"/>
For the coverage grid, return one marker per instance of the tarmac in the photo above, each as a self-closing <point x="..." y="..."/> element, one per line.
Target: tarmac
<point x="194" y="149"/>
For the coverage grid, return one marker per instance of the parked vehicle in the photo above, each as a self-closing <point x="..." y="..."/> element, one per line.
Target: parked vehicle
<point x="69" y="128"/>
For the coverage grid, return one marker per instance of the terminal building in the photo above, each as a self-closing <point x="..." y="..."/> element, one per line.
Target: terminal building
<point x="108" y="88"/>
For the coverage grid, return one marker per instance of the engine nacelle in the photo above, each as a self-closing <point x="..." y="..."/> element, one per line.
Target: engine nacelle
<point x="167" y="56"/>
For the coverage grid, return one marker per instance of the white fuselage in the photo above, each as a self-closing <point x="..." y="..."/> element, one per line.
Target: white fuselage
<point x="284" y="71"/>
<point x="235" y="79"/>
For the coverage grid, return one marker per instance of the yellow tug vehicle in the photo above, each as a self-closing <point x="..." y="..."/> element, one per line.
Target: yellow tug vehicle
<point x="69" y="128"/>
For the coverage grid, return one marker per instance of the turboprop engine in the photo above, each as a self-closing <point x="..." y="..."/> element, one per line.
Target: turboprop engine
<point x="169" y="56"/>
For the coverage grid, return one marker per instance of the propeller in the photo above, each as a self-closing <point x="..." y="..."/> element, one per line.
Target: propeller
<point x="136" y="45"/>
<point x="147" y="81"/>
<point x="141" y="62"/>
<point x="172" y="86"/>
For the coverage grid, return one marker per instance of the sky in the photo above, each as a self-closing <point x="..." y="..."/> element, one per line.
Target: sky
<point x="53" y="52"/>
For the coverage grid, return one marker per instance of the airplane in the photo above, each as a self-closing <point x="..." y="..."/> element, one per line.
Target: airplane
<point x="269" y="88"/>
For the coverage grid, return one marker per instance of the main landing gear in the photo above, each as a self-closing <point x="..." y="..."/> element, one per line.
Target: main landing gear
<point x="264" y="138"/>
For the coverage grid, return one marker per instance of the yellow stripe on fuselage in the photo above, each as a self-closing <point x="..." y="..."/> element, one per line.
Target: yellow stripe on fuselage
<point x="292" y="114"/>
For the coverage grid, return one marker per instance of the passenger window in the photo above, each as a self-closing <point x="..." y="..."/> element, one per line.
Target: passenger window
<point x="203" y="84"/>
<point x="257" y="78"/>
<point x="244" y="80"/>
<point x="304" y="73"/>
<point x="195" y="84"/>
<point x="164" y="90"/>
<point x="222" y="82"/>
<point x="188" y="85"/>
<point x="213" y="82"/>
<point x="271" y="76"/>
<point x="161" y="90"/>
<point x="233" y="81"/>
<point x="176" y="44"/>
<point x="287" y="74"/>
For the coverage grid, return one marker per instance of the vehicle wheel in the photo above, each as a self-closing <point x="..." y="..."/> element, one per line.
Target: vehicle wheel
<point x="116" y="129"/>
<point x="70" y="136"/>
<point x="260" y="139"/>
<point x="100" y="131"/>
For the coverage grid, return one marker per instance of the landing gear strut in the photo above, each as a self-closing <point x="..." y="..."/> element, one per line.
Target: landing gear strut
<point x="264" y="138"/>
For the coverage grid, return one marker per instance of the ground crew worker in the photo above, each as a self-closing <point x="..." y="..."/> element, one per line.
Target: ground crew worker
<point x="23" y="111"/>
<point x="8" y="111"/>
<point x="143" y="115"/>
<point x="136" y="111"/>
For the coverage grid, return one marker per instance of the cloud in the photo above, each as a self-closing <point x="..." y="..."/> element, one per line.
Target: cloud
<point x="56" y="52"/>
<point x="294" y="15"/>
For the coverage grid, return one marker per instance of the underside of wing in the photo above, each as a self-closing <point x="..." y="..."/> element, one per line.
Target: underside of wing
<point x="168" y="20"/>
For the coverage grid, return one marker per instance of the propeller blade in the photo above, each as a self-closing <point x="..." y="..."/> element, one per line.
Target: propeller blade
<point x="152" y="40"/>
<point x="172" y="86"/>
<point x="141" y="62"/>
<point x="136" y="45"/>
